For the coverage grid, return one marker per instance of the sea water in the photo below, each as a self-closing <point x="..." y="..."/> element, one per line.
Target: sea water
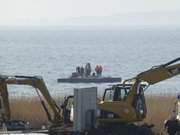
<point x="55" y="54"/>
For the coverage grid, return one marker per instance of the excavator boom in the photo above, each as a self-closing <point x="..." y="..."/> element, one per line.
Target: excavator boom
<point x="160" y="73"/>
<point x="39" y="85"/>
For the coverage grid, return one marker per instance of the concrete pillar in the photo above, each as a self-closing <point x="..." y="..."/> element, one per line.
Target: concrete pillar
<point x="85" y="106"/>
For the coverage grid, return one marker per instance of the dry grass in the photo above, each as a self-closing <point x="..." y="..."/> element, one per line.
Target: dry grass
<point x="159" y="108"/>
<point x="29" y="110"/>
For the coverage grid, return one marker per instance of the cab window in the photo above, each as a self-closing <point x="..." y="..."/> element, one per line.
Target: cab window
<point x="109" y="95"/>
<point x="121" y="93"/>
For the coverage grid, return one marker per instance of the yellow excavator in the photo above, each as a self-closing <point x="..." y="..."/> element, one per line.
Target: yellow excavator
<point x="122" y="103"/>
<point x="125" y="102"/>
<point x="37" y="82"/>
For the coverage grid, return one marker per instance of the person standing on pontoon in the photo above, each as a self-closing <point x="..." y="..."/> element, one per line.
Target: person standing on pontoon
<point x="98" y="70"/>
<point x="82" y="71"/>
<point x="88" y="69"/>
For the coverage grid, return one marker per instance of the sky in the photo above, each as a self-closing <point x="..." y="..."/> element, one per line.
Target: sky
<point x="60" y="12"/>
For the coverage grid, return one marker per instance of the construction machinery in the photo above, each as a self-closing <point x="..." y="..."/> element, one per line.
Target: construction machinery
<point x="37" y="82"/>
<point x="122" y="104"/>
<point x="125" y="103"/>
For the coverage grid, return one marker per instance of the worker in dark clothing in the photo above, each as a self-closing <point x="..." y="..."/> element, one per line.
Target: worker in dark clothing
<point x="78" y="70"/>
<point x="172" y="126"/>
<point x="65" y="111"/>
<point x="93" y="74"/>
<point x="69" y="106"/>
<point x="82" y="71"/>
<point x="88" y="69"/>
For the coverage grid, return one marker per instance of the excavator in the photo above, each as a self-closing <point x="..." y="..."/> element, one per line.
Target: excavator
<point x="125" y="102"/>
<point x="36" y="82"/>
<point x="122" y="104"/>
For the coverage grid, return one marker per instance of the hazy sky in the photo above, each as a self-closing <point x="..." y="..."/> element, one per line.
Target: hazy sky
<point x="56" y="12"/>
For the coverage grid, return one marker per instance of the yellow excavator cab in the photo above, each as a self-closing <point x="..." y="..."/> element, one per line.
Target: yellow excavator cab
<point x="115" y="106"/>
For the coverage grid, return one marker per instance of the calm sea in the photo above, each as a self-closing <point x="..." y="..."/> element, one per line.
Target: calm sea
<point x="55" y="53"/>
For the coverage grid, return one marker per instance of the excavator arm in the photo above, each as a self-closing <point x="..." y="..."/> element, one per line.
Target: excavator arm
<point x="154" y="75"/>
<point x="39" y="85"/>
<point x="160" y="73"/>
